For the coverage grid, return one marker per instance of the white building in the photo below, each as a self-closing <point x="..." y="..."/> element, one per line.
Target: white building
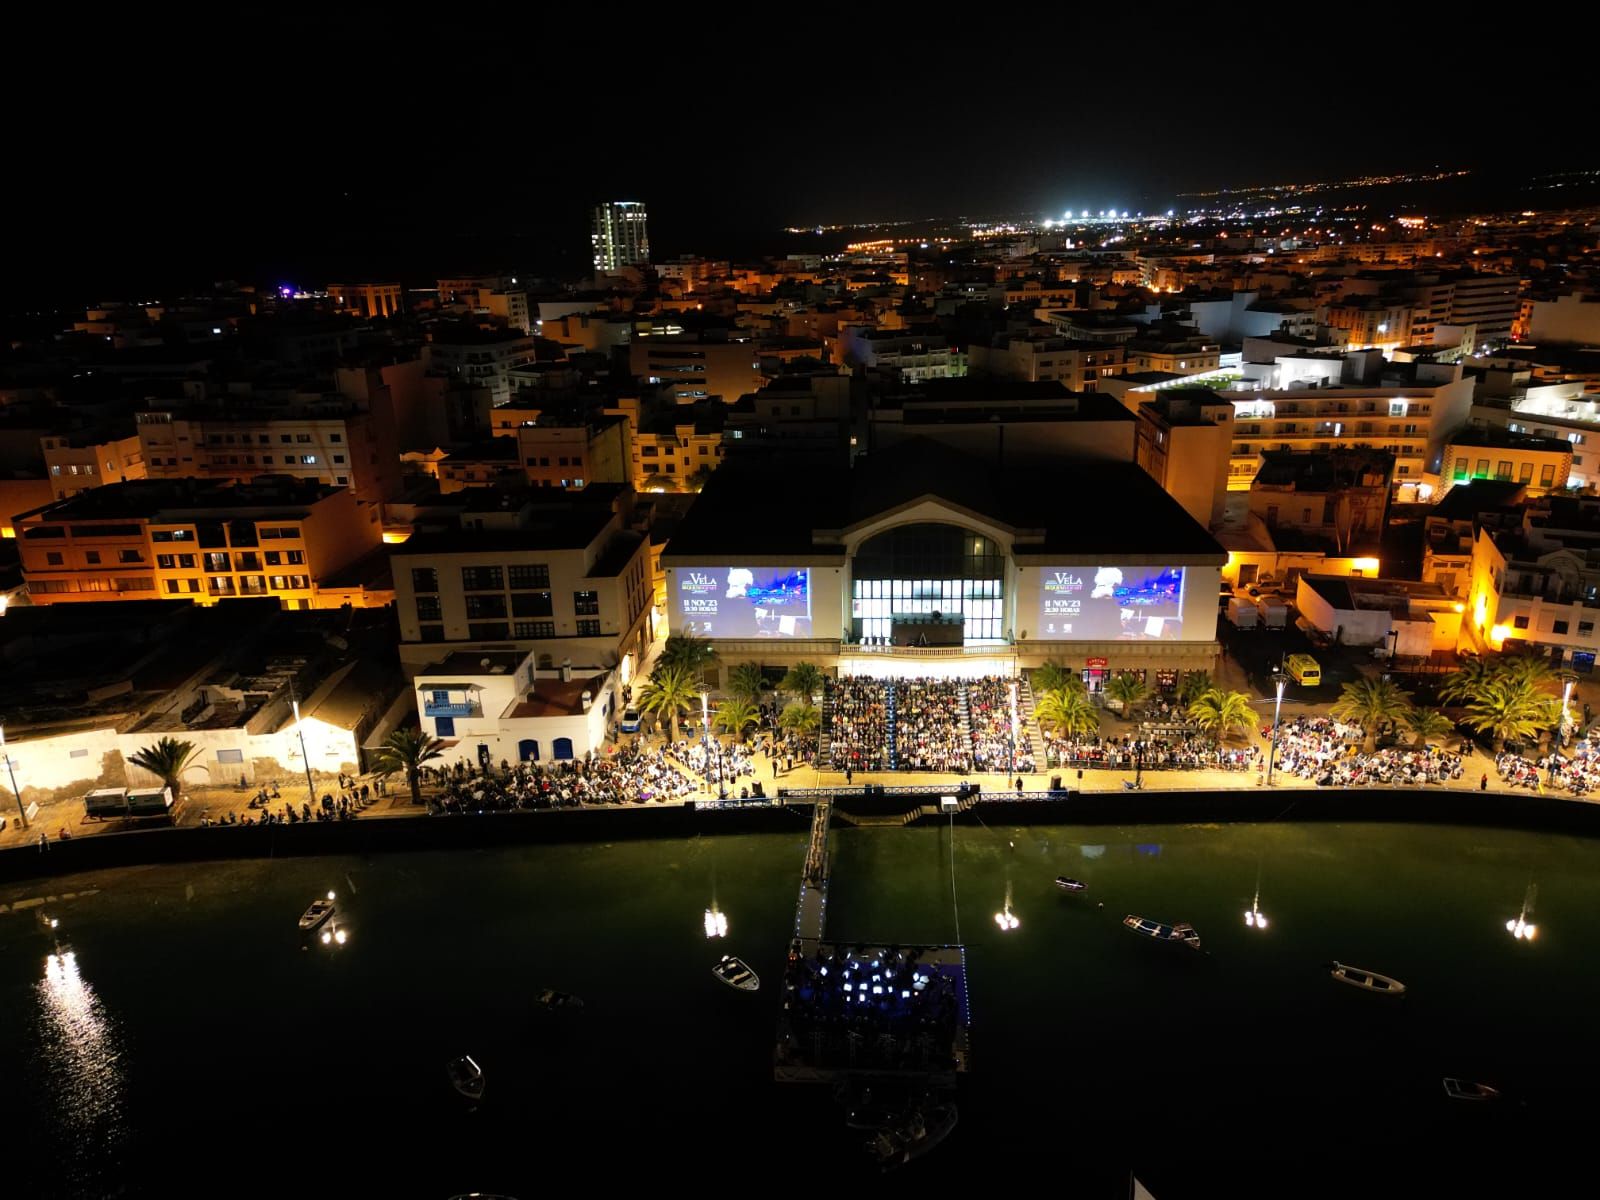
<point x="498" y="706"/>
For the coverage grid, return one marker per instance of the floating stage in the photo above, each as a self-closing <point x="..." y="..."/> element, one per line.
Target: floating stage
<point x="852" y="1008"/>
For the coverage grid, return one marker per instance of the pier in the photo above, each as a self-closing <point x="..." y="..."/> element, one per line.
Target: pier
<point x="870" y="1008"/>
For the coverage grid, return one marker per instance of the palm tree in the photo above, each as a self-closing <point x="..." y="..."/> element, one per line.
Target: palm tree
<point x="803" y="680"/>
<point x="166" y="760"/>
<point x="1467" y="682"/>
<point x="1219" y="713"/>
<point x="1429" y="724"/>
<point x="1372" y="703"/>
<point x="1512" y="709"/>
<point x="406" y="750"/>
<point x="692" y="653"/>
<point x="1129" y="689"/>
<point x="1052" y="677"/>
<point x="747" y="681"/>
<point x="1526" y="667"/>
<point x="735" y="716"/>
<point x="801" y="717"/>
<point x="671" y="690"/>
<point x="1068" y="709"/>
<point x="1195" y="684"/>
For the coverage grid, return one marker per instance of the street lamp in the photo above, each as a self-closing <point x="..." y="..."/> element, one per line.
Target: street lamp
<point x="11" y="771"/>
<point x="1013" y="747"/>
<point x="1567" y="680"/>
<point x="300" y="728"/>
<point x="705" y="736"/>
<point x="1279" y="679"/>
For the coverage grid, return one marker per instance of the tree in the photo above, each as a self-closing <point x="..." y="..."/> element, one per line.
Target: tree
<point x="1372" y="703"/>
<point x="1512" y="710"/>
<point x="1524" y="666"/>
<point x="747" y="682"/>
<point x="1428" y="724"/>
<point x="656" y="482"/>
<point x="406" y="750"/>
<point x="1195" y="684"/>
<point x="1129" y="689"/>
<point x="1068" y="710"/>
<point x="671" y="690"/>
<point x="1219" y="713"/>
<point x="735" y="716"/>
<point x="693" y="654"/>
<point x="1052" y="677"/>
<point x="803" y="680"/>
<point x="800" y="717"/>
<point x="167" y="760"/>
<point x="1468" y="681"/>
<point x="697" y="479"/>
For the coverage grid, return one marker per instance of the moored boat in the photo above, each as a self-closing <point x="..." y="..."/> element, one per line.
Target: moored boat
<point x="1163" y="933"/>
<point x="466" y="1076"/>
<point x="733" y="972"/>
<point x="1371" y="981"/>
<point x="921" y="1132"/>
<point x="321" y="909"/>
<point x="552" y="999"/>
<point x="1465" y="1089"/>
<point x="1070" y="885"/>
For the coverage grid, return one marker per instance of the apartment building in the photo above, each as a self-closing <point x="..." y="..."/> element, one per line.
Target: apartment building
<point x="1540" y="464"/>
<point x="562" y="573"/>
<point x="698" y="366"/>
<point x="283" y="538"/>
<point x="909" y="355"/>
<point x="1182" y="441"/>
<point x="482" y="357"/>
<point x="1041" y="356"/>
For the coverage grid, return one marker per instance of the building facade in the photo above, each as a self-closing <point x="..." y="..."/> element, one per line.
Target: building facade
<point x="620" y="236"/>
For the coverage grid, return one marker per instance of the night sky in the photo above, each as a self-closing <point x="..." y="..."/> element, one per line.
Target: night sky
<point x="148" y="151"/>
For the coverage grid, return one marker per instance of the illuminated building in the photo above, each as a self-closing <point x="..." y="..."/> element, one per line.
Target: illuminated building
<point x="698" y="365"/>
<point x="369" y="299"/>
<point x="1540" y="464"/>
<point x="1041" y="356"/>
<point x="296" y="541"/>
<point x="563" y="573"/>
<point x="620" y="236"/>
<point x="926" y="544"/>
<point x="908" y="355"/>
<point x="1182" y="439"/>
<point x="481" y="357"/>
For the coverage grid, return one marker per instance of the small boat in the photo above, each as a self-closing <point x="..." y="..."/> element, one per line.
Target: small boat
<point x="319" y="912"/>
<point x="1370" y="980"/>
<point x="920" y="1133"/>
<point x="552" y="999"/>
<point x="1070" y="885"/>
<point x="1465" y="1089"/>
<point x="733" y="972"/>
<point x="1163" y="933"/>
<point x="466" y="1077"/>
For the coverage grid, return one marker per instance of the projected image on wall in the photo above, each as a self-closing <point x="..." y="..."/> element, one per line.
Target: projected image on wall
<point x="1107" y="604"/>
<point x="739" y="602"/>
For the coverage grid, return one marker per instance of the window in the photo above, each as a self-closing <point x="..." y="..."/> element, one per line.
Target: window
<point x="482" y="579"/>
<point x="1585" y="628"/>
<point x="446" y="726"/>
<point x="534" y="629"/>
<point x="53" y="558"/>
<point x="300" y="437"/>
<point x="588" y="628"/>
<point x="1560" y="627"/>
<point x="218" y="562"/>
<point x="1525" y="473"/>
<point x="338" y="458"/>
<point x="130" y="556"/>
<point x="1547" y="475"/>
<point x="230" y="756"/>
<point x="295" y="558"/>
<point x="532" y="604"/>
<point x="286" y="438"/>
<point x="1520" y="622"/>
<point x="309" y="460"/>
<point x="336" y="437"/>
<point x="485" y="606"/>
<point x="424" y="579"/>
<point x="428" y="608"/>
<point x="168" y="535"/>
<point x="489" y="631"/>
<point x="586" y="603"/>
<point x="172" y="585"/>
<point x="92" y="557"/>
<point x="165" y="561"/>
<point x="1483" y="468"/>
<point x="1503" y="469"/>
<point x="529" y="578"/>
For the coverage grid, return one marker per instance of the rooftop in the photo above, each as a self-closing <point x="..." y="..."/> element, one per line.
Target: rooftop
<point x="148" y="498"/>
<point x="1501" y="438"/>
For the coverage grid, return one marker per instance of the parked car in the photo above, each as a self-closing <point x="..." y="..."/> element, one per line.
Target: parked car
<point x="630" y="720"/>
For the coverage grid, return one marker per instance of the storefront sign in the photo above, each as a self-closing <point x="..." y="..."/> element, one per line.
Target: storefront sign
<point x="1098" y="663"/>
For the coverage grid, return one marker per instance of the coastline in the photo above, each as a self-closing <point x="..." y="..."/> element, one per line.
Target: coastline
<point x="1445" y="806"/>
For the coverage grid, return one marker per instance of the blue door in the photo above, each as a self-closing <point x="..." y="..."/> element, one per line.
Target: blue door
<point x="446" y="726"/>
<point x="563" y="748"/>
<point x="527" y="750"/>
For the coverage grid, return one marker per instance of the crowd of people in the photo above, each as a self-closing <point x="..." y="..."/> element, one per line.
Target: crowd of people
<point x="629" y="776"/>
<point x="928" y="733"/>
<point x="858" y="732"/>
<point x="871" y="1007"/>
<point x="989" y="711"/>
<point x="713" y="762"/>
<point x="1327" y="750"/>
<point x="1577" y="771"/>
<point x="1168" y="753"/>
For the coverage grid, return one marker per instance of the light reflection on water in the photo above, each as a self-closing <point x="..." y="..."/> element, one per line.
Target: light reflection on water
<point x="81" y="1054"/>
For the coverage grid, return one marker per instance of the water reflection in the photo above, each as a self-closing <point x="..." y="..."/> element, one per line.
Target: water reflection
<point x="82" y="1057"/>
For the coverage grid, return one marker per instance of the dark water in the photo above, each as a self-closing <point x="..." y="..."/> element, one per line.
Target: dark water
<point x="190" y="1046"/>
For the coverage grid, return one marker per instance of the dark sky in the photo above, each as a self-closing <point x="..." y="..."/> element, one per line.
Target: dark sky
<point x="241" y="142"/>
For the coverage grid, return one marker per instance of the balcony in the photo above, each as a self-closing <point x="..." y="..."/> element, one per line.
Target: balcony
<point x="450" y="708"/>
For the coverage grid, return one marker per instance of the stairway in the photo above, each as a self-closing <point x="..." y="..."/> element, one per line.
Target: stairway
<point x="1030" y="724"/>
<point x="966" y="723"/>
<point x="825" y="730"/>
<point x="888" y="710"/>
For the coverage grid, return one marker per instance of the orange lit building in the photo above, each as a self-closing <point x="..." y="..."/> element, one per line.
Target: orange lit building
<point x="205" y="542"/>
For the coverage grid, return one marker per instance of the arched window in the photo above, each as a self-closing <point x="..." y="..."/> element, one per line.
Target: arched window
<point x="928" y="568"/>
<point x="527" y="750"/>
<point x="563" y="748"/>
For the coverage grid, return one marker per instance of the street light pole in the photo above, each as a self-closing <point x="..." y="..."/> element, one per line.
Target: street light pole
<point x="1012" y="770"/>
<point x="705" y="736"/>
<point x="1279" y="679"/>
<point x="21" y="812"/>
<point x="1567" y="680"/>
<point x="300" y="728"/>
